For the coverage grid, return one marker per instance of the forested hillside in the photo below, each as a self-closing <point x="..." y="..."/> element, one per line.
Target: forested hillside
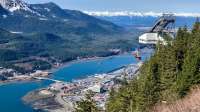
<point x="165" y="78"/>
<point x="21" y="52"/>
<point x="42" y="36"/>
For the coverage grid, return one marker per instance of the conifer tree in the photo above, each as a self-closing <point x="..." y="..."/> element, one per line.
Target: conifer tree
<point x="196" y="27"/>
<point x="168" y="75"/>
<point x="87" y="104"/>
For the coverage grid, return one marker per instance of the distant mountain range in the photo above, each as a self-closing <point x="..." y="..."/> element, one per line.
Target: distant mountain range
<point x="130" y="13"/>
<point x="143" y="20"/>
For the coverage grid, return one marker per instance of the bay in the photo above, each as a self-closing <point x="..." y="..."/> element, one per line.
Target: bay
<point x="11" y="94"/>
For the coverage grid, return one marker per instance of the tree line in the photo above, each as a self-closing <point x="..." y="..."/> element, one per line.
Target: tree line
<point x="167" y="76"/>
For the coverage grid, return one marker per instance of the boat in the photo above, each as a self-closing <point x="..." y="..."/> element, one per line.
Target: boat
<point x="137" y="55"/>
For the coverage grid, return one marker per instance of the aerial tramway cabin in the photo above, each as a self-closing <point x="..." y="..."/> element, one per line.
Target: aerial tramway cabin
<point x="163" y="26"/>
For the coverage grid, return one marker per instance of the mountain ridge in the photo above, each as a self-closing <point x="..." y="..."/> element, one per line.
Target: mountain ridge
<point x="13" y="5"/>
<point x="50" y="18"/>
<point x="48" y="36"/>
<point x="133" y="13"/>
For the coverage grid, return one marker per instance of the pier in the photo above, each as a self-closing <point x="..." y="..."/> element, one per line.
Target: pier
<point x="45" y="78"/>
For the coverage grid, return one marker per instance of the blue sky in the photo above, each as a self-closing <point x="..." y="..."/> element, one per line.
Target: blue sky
<point x="128" y="5"/>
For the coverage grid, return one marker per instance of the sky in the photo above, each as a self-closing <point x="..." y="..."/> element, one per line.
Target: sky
<point x="188" y="6"/>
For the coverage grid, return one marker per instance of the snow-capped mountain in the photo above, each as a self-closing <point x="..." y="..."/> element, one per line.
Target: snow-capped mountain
<point x="13" y="5"/>
<point x="140" y="14"/>
<point x="142" y="20"/>
<point x="121" y="13"/>
<point x="18" y="16"/>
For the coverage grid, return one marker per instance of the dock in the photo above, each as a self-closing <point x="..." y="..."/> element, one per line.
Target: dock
<point x="45" y="78"/>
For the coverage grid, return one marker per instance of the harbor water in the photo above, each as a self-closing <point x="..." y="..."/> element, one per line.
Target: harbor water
<point x="11" y="94"/>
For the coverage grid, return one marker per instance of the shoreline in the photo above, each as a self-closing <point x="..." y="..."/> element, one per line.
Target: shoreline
<point x="94" y="58"/>
<point x="66" y="64"/>
<point x="16" y="81"/>
<point x="135" y="70"/>
<point x="59" y="97"/>
<point x="54" y="69"/>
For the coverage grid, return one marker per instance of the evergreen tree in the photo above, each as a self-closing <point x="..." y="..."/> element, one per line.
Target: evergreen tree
<point x="196" y="27"/>
<point x="168" y="75"/>
<point x="87" y="104"/>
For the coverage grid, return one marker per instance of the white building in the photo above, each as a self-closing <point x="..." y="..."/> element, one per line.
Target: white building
<point x="96" y="88"/>
<point x="151" y="38"/>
